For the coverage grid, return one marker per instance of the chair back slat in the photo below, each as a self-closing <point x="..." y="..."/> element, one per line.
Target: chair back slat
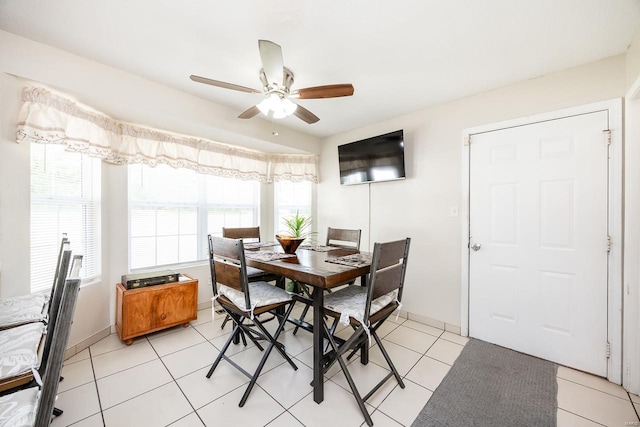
<point x="228" y="265"/>
<point x="248" y="234"/>
<point x="228" y="274"/>
<point x="391" y="253"/>
<point x="387" y="280"/>
<point x="388" y="268"/>
<point x="343" y="238"/>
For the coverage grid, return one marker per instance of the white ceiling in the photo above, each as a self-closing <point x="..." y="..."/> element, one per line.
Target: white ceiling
<point x="401" y="56"/>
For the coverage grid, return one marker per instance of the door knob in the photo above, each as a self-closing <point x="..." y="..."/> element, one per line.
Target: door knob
<point x="476" y="246"/>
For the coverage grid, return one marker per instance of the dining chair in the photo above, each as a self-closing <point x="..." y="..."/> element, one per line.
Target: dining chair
<point x="365" y="309"/>
<point x="337" y="237"/>
<point x="34" y="406"/>
<point x="249" y="235"/>
<point x="243" y="300"/>
<point x="343" y="238"/>
<point x="34" y="307"/>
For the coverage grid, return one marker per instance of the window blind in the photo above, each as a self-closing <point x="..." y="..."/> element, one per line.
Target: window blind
<point x="65" y="198"/>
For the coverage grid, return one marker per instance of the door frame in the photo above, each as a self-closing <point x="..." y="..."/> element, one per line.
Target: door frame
<point x="615" y="218"/>
<point x="631" y="357"/>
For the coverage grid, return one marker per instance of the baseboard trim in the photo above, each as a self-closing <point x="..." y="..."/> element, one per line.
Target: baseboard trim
<point x="455" y="329"/>
<point x="75" y="349"/>
<point x="204" y="305"/>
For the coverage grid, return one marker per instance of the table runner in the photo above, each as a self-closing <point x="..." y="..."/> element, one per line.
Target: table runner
<point x="354" y="260"/>
<point x="319" y="248"/>
<point x="267" y="255"/>
<point x="257" y="245"/>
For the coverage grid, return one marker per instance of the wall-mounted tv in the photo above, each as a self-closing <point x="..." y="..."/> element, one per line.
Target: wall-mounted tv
<point x="380" y="158"/>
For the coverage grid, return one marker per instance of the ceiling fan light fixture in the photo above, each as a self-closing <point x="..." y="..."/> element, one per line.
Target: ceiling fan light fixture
<point x="264" y="106"/>
<point x="289" y="107"/>
<point x="280" y="107"/>
<point x="276" y="87"/>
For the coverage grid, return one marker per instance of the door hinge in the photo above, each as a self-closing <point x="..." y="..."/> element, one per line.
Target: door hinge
<point x="467" y="140"/>
<point x="607" y="136"/>
<point x="608" y="243"/>
<point x="608" y="350"/>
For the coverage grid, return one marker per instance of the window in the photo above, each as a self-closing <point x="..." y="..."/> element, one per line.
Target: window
<point x="172" y="211"/>
<point x="289" y="198"/>
<point x="65" y="198"/>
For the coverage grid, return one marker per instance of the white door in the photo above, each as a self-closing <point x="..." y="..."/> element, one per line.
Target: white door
<point x="538" y="260"/>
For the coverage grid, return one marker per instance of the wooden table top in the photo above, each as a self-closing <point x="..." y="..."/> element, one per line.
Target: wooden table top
<point x="310" y="267"/>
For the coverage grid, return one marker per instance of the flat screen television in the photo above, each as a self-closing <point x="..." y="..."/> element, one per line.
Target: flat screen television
<point x="380" y="158"/>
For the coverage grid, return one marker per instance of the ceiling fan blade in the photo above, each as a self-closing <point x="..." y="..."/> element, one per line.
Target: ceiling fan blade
<point x="305" y="115"/>
<point x="251" y="112"/>
<point x="328" y="91"/>
<point x="271" y="56"/>
<point x="223" y="84"/>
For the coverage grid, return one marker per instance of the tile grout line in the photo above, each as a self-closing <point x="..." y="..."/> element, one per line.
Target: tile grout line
<point x="178" y="385"/>
<point x="633" y="405"/>
<point x="594" y="389"/>
<point x="95" y="383"/>
<point x="580" y="416"/>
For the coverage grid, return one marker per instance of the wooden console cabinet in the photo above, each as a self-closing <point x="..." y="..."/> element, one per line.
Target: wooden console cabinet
<point x="143" y="310"/>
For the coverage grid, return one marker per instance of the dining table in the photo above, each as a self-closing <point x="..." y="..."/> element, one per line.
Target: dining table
<point x="322" y="268"/>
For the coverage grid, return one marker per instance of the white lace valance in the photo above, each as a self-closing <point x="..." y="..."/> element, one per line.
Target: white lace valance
<point x="49" y="118"/>
<point x="293" y="167"/>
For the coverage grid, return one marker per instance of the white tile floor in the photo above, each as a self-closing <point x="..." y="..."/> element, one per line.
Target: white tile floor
<point x="160" y="381"/>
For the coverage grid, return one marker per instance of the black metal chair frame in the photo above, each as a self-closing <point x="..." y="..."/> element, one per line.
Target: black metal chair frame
<point x="388" y="268"/>
<point x="228" y="267"/>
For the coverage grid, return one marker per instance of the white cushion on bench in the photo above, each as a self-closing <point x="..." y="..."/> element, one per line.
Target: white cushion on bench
<point x="261" y="294"/>
<point x="19" y="409"/>
<point x="350" y="302"/>
<point x="23" y="309"/>
<point x="20" y="349"/>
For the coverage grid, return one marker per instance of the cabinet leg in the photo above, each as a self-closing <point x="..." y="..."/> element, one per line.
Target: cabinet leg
<point x="185" y="325"/>
<point x="128" y="342"/>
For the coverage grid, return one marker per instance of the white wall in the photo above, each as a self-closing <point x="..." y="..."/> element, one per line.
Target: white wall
<point x="125" y="97"/>
<point x="420" y="206"/>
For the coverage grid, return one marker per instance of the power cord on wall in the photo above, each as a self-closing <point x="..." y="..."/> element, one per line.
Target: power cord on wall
<point x="369" y="225"/>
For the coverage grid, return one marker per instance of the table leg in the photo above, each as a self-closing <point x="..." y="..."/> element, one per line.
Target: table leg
<point x="318" y="383"/>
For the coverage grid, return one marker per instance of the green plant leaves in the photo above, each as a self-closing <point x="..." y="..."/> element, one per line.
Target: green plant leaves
<point x="298" y="225"/>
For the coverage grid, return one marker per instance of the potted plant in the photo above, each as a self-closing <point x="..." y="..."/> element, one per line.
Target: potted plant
<point x="298" y="228"/>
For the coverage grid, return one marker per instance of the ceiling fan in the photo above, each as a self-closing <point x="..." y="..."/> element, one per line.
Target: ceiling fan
<point x="276" y="87"/>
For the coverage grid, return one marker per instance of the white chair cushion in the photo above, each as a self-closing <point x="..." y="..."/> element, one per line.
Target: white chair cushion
<point x="350" y="302"/>
<point x="261" y="294"/>
<point x="19" y="346"/>
<point x="19" y="409"/>
<point x="23" y="309"/>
